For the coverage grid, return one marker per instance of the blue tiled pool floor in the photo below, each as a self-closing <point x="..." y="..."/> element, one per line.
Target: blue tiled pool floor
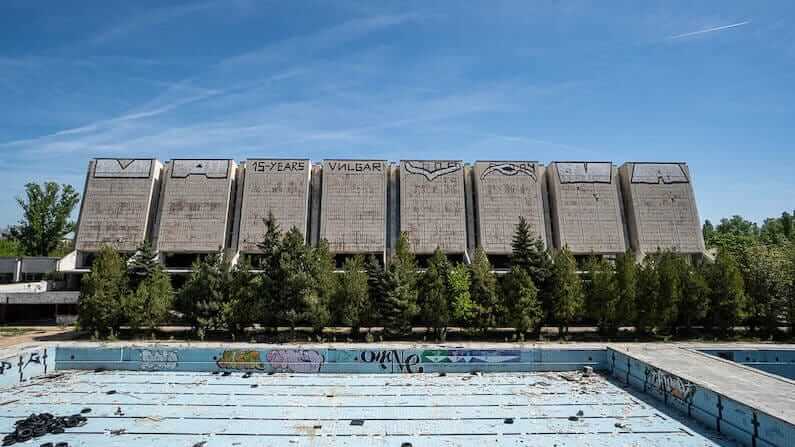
<point x="202" y="409"/>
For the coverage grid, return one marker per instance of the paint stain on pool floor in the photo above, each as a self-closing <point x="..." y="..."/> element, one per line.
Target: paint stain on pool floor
<point x="131" y="409"/>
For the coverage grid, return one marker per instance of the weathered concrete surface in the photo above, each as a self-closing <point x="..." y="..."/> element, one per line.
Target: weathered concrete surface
<point x="195" y="206"/>
<point x="773" y="395"/>
<point x="278" y="186"/>
<point x="167" y="408"/>
<point x="117" y="204"/>
<point x="353" y="206"/>
<point x="504" y="191"/>
<point x="661" y="208"/>
<point x="586" y="208"/>
<point x="432" y="205"/>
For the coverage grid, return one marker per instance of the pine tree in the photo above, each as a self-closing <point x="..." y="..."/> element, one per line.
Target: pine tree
<point x="601" y="297"/>
<point x="567" y="294"/>
<point x="400" y="303"/>
<point x="528" y="252"/>
<point x="294" y="284"/>
<point x="325" y="285"/>
<point x="148" y="305"/>
<point x="204" y="296"/>
<point x="243" y="307"/>
<point x="626" y="288"/>
<point x="268" y="284"/>
<point x="647" y="289"/>
<point x="727" y="300"/>
<point x="483" y="291"/>
<point x="376" y="288"/>
<point x="434" y="294"/>
<point x="352" y="299"/>
<point x="669" y="267"/>
<point x="522" y="309"/>
<point x="142" y="264"/>
<point x="695" y="297"/>
<point x="270" y="246"/>
<point x="463" y="310"/>
<point x="101" y="304"/>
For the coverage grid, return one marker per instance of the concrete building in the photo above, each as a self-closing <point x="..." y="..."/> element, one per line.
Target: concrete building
<point x="504" y="191"/>
<point x="118" y="204"/>
<point x="353" y="206"/>
<point x="586" y="208"/>
<point x="195" y="208"/>
<point x="661" y="208"/>
<point x="433" y="206"/>
<point x="277" y="186"/>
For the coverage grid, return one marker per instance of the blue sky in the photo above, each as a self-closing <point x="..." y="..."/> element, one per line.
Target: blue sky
<point x="710" y="83"/>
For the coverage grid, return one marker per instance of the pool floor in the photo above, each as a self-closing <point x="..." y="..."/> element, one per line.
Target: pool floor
<point x="202" y="409"/>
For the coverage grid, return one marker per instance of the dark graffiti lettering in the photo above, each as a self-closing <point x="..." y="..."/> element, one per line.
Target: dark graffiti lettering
<point x="5" y="366"/>
<point x="395" y="360"/>
<point x="668" y="384"/>
<point x="277" y="165"/>
<point x="356" y="166"/>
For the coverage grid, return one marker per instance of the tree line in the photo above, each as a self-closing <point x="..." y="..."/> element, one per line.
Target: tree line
<point x="292" y="284"/>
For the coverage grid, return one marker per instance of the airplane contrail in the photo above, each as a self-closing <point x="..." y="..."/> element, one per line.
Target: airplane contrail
<point x="709" y="30"/>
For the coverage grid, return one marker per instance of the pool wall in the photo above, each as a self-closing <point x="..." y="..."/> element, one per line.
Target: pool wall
<point x="780" y="362"/>
<point x="295" y="360"/>
<point x="745" y="424"/>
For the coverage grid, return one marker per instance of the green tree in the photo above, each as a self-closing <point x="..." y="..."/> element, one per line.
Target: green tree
<point x="626" y="287"/>
<point x="483" y="291"/>
<point x="243" y="307"/>
<point x="10" y="248"/>
<point x="148" y="304"/>
<point x="727" y="297"/>
<point x="528" y="252"/>
<point x="325" y="286"/>
<point x="764" y="278"/>
<point x="434" y="295"/>
<point x="142" y="264"/>
<point x="205" y="295"/>
<point x="788" y="294"/>
<point x="352" y="300"/>
<point x="462" y="309"/>
<point x="669" y="290"/>
<point x="400" y="297"/>
<point x="269" y="262"/>
<point x="778" y="231"/>
<point x="646" y="296"/>
<point x="694" y="300"/>
<point x="295" y="294"/>
<point x="601" y="297"/>
<point x="45" y="217"/>
<point x="522" y="309"/>
<point x="567" y="293"/>
<point x="101" y="304"/>
<point x="376" y="288"/>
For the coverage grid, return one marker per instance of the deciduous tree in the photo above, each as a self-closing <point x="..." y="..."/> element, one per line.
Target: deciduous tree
<point x="483" y="291"/>
<point x="45" y="217"/>
<point x="101" y="304"/>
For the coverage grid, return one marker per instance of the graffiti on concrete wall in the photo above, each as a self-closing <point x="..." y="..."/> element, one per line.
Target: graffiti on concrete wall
<point x="670" y="385"/>
<point x="24" y="366"/>
<point x="295" y="360"/>
<point x="243" y="360"/>
<point x="393" y="360"/>
<point x="470" y="356"/>
<point x="158" y="359"/>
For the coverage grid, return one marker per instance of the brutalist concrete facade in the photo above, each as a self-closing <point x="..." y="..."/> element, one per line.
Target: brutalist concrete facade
<point x="586" y="207"/>
<point x="195" y="206"/>
<point x="118" y="204"/>
<point x="353" y="206"/>
<point x="277" y="186"/>
<point x="661" y="208"/>
<point x="433" y="205"/>
<point x="504" y="191"/>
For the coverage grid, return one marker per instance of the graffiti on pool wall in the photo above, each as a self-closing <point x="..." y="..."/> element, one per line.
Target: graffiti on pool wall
<point x="5" y="366"/>
<point x="295" y="360"/>
<point x="394" y="360"/>
<point x="26" y="365"/>
<point x="670" y="385"/>
<point x="240" y="360"/>
<point x="470" y="356"/>
<point x="158" y="359"/>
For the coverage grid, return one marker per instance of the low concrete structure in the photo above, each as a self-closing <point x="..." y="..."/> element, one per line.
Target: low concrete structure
<point x="432" y="205"/>
<point x="195" y="206"/>
<point x="277" y="186"/>
<point x="504" y="191"/>
<point x="661" y="208"/>
<point x="118" y="204"/>
<point x="353" y="206"/>
<point x="586" y="207"/>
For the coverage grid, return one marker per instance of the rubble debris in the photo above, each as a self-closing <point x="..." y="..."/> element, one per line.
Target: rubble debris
<point x="85" y="410"/>
<point x="574" y="418"/>
<point x="508" y="420"/>
<point x="580" y="413"/>
<point x="357" y="422"/>
<point x="118" y="412"/>
<point x="109" y="392"/>
<point x="587" y="371"/>
<point x="118" y="431"/>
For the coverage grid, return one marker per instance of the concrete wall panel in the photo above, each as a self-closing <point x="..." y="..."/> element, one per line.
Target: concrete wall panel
<point x="195" y="209"/>
<point x="353" y="205"/>
<point x="273" y="186"/>
<point x="117" y="204"/>
<point x="432" y="205"/>
<point x="661" y="208"/>
<point x="504" y="191"/>
<point x="586" y="207"/>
